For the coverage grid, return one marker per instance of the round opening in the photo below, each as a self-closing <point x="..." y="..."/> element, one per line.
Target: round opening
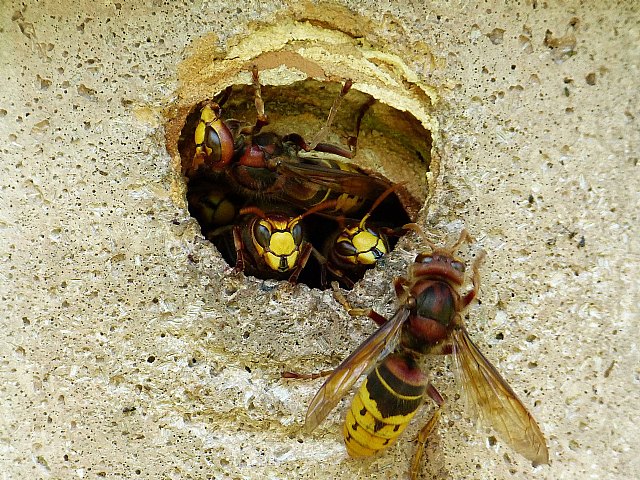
<point x="294" y="194"/>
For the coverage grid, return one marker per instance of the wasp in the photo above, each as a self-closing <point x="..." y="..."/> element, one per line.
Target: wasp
<point x="272" y="243"/>
<point x="214" y="206"/>
<point x="357" y="245"/>
<point x="285" y="169"/>
<point x="429" y="321"/>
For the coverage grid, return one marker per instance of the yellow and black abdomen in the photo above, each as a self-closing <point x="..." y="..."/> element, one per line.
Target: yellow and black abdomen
<point x="384" y="405"/>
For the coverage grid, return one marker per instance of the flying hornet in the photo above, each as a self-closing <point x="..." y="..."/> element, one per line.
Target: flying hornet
<point x="429" y="321"/>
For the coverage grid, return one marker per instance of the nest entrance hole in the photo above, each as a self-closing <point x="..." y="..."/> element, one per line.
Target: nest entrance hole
<point x="391" y="144"/>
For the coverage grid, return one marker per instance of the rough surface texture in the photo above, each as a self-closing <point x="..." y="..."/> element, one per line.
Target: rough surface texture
<point x="130" y="351"/>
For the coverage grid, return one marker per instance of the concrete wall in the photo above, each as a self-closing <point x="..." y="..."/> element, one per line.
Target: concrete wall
<point x="129" y="350"/>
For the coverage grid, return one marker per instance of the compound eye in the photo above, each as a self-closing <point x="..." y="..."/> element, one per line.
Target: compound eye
<point x="262" y="234"/>
<point x="424" y="258"/>
<point x="458" y="266"/>
<point x="296" y="233"/>
<point x="346" y="249"/>
<point x="213" y="138"/>
<point x="212" y="142"/>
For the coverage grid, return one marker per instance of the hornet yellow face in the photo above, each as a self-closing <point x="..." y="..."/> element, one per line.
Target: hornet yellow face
<point x="277" y="241"/>
<point x="360" y="245"/>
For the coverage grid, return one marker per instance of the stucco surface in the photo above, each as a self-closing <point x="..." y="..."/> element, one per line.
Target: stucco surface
<point x="128" y="348"/>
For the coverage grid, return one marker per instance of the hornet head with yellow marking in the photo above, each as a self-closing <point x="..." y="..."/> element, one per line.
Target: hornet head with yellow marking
<point x="277" y="239"/>
<point x="361" y="244"/>
<point x="213" y="138"/>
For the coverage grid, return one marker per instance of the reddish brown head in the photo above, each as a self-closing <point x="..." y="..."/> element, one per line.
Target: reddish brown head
<point x="441" y="262"/>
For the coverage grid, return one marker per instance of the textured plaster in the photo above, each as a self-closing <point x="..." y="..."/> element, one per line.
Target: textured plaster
<point x="129" y="350"/>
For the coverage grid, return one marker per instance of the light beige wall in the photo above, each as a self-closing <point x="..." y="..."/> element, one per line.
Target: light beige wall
<point x="130" y="351"/>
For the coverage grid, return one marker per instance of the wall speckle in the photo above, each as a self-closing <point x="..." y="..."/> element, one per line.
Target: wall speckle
<point x="129" y="350"/>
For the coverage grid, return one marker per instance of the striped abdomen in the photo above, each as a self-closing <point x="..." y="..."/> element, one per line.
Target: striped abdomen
<point x="384" y="405"/>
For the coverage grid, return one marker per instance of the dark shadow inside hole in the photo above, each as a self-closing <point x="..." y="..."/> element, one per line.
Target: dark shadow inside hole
<point x="388" y="141"/>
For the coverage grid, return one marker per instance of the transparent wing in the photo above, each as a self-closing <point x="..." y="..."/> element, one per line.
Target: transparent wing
<point x="345" y="375"/>
<point x="494" y="402"/>
<point x="343" y="181"/>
